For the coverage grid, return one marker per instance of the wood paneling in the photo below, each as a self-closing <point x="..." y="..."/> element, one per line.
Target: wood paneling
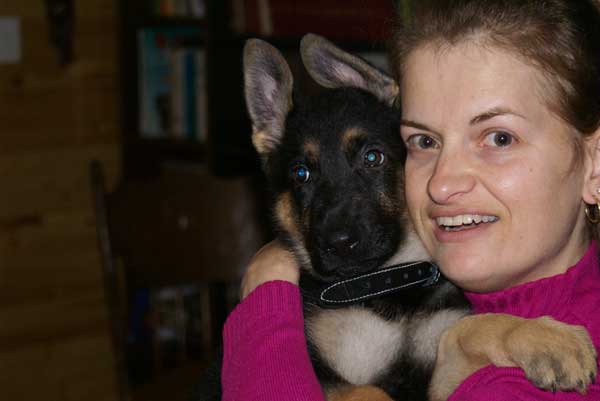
<point x="36" y="182"/>
<point x="70" y="370"/>
<point x="64" y="261"/>
<point x="54" y="119"/>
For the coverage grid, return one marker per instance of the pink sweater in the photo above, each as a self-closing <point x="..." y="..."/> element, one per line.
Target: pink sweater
<point x="265" y="355"/>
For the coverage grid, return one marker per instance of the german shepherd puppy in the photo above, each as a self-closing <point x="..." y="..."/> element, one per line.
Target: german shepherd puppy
<point x="334" y="163"/>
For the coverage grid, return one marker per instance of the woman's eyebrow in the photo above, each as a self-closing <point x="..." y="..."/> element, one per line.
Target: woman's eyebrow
<point x="419" y="126"/>
<point x="486" y="115"/>
<point x="493" y="112"/>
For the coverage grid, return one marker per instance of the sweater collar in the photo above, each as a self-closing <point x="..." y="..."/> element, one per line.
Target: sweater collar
<point x="552" y="295"/>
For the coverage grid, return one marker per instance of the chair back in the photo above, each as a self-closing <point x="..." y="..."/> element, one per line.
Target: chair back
<point x="182" y="227"/>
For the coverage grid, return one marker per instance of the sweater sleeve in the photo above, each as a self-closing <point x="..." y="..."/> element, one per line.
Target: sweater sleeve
<point x="510" y="384"/>
<point x="265" y="353"/>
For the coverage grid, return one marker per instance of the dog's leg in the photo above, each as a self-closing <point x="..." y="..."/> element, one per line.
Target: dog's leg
<point x="358" y="393"/>
<point x="554" y="355"/>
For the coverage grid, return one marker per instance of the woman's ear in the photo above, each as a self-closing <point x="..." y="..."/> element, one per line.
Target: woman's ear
<point x="591" y="190"/>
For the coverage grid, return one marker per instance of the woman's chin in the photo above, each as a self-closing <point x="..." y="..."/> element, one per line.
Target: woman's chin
<point x="474" y="277"/>
<point x="477" y="285"/>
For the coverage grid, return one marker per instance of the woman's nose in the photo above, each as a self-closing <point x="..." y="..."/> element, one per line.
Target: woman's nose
<point x="453" y="177"/>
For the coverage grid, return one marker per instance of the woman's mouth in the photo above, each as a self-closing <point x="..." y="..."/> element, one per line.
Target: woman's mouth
<point x="463" y="221"/>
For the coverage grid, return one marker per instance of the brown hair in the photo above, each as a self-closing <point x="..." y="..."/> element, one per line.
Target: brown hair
<point x="561" y="38"/>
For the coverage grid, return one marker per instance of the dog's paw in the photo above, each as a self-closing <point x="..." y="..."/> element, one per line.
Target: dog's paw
<point x="554" y="355"/>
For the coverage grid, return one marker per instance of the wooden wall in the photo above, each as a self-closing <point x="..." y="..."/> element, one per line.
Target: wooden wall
<point x="54" y="342"/>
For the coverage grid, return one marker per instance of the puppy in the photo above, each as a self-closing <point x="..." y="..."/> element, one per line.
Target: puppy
<point x="374" y="313"/>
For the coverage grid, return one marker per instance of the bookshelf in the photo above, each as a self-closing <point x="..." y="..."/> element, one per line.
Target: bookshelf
<point x="181" y="89"/>
<point x="171" y="152"/>
<point x="221" y="135"/>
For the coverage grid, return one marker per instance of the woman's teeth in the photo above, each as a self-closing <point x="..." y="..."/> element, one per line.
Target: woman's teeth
<point x="463" y="220"/>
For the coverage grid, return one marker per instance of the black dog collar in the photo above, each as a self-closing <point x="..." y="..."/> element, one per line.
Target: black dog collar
<point x="379" y="283"/>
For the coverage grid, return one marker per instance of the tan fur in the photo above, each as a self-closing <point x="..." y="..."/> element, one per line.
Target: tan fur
<point x="550" y="352"/>
<point x="288" y="219"/>
<point x="286" y="216"/>
<point x="263" y="142"/>
<point x="350" y="136"/>
<point x="311" y="150"/>
<point x="358" y="393"/>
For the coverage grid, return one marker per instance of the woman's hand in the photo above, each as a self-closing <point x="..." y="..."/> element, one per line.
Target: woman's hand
<point x="271" y="262"/>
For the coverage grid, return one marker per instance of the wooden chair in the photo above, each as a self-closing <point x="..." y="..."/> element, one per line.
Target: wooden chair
<point x="181" y="227"/>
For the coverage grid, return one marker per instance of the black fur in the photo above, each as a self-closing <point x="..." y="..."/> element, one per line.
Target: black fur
<point x="340" y="204"/>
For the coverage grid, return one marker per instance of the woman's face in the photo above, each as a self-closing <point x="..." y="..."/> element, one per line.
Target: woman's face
<point x="491" y="182"/>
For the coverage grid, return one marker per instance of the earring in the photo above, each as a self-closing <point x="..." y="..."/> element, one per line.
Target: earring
<point x="592" y="212"/>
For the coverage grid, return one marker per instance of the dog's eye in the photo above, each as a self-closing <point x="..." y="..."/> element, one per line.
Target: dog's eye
<point x="374" y="158"/>
<point x="300" y="174"/>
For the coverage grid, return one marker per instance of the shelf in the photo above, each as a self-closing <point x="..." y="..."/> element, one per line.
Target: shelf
<point x="228" y="150"/>
<point x="164" y="149"/>
<point x="145" y="154"/>
<point x="168" y="145"/>
<point x="145" y="22"/>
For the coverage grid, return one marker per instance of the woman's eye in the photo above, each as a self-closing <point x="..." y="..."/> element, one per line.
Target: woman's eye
<point x="499" y="139"/>
<point x="374" y="158"/>
<point x="300" y="174"/>
<point x="422" y="141"/>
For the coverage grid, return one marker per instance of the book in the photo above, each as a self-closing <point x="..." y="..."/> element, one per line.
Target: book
<point x="188" y="106"/>
<point x="201" y="111"/>
<point x="161" y="77"/>
<point x="169" y="326"/>
<point x="176" y="105"/>
<point x="183" y="323"/>
<point x="190" y="127"/>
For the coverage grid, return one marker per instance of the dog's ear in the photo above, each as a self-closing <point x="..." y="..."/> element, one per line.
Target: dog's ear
<point x="332" y="67"/>
<point x="268" y="84"/>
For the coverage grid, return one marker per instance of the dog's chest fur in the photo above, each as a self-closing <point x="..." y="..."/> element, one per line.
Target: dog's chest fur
<point x="364" y="344"/>
<point x="355" y="342"/>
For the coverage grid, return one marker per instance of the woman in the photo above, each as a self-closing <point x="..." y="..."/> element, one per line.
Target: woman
<point x="501" y="114"/>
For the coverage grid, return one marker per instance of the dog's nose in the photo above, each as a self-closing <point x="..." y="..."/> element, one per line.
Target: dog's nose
<point x="341" y="244"/>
